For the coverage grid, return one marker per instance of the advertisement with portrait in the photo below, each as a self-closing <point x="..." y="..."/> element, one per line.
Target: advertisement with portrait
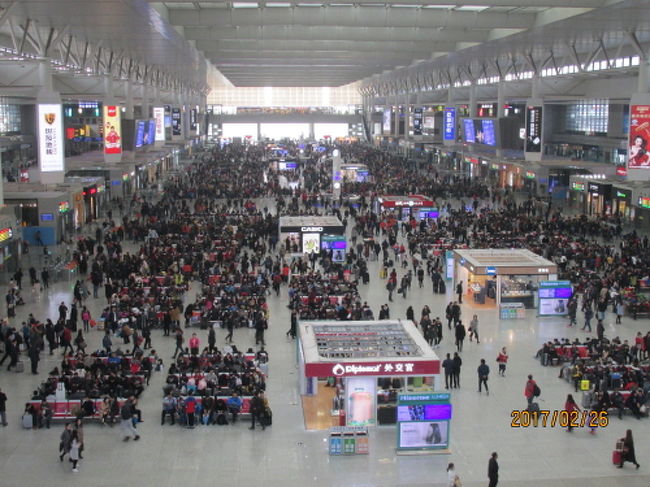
<point x="387" y="121"/>
<point x="639" y="133"/>
<point x="360" y="401"/>
<point x="533" y="141"/>
<point x="50" y="138"/>
<point x="424" y="434"/>
<point x="112" y="130"/>
<point x="159" y="117"/>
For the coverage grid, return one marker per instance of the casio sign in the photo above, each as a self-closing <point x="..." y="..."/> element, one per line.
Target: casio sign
<point x="311" y="229"/>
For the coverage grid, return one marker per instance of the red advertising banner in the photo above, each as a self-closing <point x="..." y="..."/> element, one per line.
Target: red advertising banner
<point x="379" y="369"/>
<point x="637" y="154"/>
<point x="112" y="130"/>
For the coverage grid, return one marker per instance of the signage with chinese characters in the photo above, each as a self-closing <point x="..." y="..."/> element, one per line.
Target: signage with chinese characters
<point x="621" y="171"/>
<point x="578" y="186"/>
<point x="594" y="188"/>
<point x="6" y="234"/>
<point x="159" y="119"/>
<point x="491" y="271"/>
<point x="388" y="368"/>
<point x="638" y="153"/>
<point x="409" y="203"/>
<point x="542" y="270"/>
<point x="644" y="202"/>
<point x="533" y="129"/>
<point x="64" y="206"/>
<point x="449" y="123"/>
<point x="530" y="175"/>
<point x="621" y="194"/>
<point x="112" y="130"/>
<point x="50" y="138"/>
<point x="417" y="121"/>
<point x="176" y="122"/>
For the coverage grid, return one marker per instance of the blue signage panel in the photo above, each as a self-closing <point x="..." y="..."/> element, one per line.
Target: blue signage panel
<point x="491" y="271"/>
<point x="449" y="123"/>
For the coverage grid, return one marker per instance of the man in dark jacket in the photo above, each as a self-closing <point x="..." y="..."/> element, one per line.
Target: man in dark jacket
<point x="257" y="410"/>
<point x="448" y="366"/>
<point x="460" y="336"/>
<point x="458" y="362"/>
<point x="493" y="470"/>
<point x="483" y="373"/>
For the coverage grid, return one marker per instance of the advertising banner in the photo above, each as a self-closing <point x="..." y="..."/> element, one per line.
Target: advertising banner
<point x="51" y="151"/>
<point x="637" y="154"/>
<point x="387" y="368"/>
<point x="112" y="130"/>
<point x="449" y="122"/>
<point x="176" y="122"/>
<point x="159" y="117"/>
<point x="387" y="121"/>
<point x="533" y="129"/>
<point x="360" y="401"/>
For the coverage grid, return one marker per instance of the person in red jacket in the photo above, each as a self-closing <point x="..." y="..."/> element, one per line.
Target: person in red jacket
<point x="194" y="343"/>
<point x="570" y="406"/>
<point x="529" y="391"/>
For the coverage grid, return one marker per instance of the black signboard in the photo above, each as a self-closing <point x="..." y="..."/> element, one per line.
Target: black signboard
<point x="534" y="129"/>
<point x="176" y="121"/>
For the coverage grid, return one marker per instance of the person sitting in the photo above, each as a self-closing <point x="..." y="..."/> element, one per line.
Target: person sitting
<point x="87" y="408"/>
<point x="234" y="404"/>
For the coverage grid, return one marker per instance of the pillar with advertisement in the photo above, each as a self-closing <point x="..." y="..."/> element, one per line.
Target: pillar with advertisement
<point x="638" y="155"/>
<point x="534" y="129"/>
<point x="112" y="130"/>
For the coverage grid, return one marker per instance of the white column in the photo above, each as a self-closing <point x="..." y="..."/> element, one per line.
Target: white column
<point x="145" y="102"/>
<point x="642" y="97"/>
<point x="643" y="85"/>
<point x="128" y="112"/>
<point x="472" y="101"/>
<point x="501" y="101"/>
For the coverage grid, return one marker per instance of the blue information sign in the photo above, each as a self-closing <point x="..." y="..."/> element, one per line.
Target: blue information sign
<point x="450" y="123"/>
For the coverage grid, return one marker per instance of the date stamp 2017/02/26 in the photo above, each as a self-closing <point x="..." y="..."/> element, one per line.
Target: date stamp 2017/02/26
<point x="545" y="418"/>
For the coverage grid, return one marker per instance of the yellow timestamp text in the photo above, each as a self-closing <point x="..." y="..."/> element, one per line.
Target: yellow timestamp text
<point x="545" y="418"/>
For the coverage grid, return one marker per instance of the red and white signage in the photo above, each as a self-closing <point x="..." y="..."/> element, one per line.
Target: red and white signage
<point x="112" y="130"/>
<point x="402" y="201"/>
<point x="638" y="154"/>
<point x="159" y="118"/>
<point x="379" y="369"/>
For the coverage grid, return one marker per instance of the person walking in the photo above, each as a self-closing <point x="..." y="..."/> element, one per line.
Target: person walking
<point x="570" y="406"/>
<point x="448" y="366"/>
<point x="452" y="477"/>
<point x="502" y="360"/>
<point x="458" y="362"/>
<point x="460" y="335"/>
<point x="126" y="423"/>
<point x="73" y="452"/>
<point x="293" y="327"/>
<point x="194" y="344"/>
<point x="588" y="315"/>
<point x="473" y="329"/>
<point x="65" y="441"/>
<point x="483" y="371"/>
<point x="85" y="318"/>
<point x="459" y="291"/>
<point x="628" y="454"/>
<point x="230" y="326"/>
<point x="212" y="339"/>
<point x="493" y="470"/>
<point x="179" y="342"/>
<point x="530" y="390"/>
<point x="260" y="325"/>
<point x="3" y="408"/>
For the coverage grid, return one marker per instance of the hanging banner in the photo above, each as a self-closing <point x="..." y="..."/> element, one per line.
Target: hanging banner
<point x="112" y="130"/>
<point x="637" y="154"/>
<point x="449" y="123"/>
<point x="159" y="117"/>
<point x="51" y="151"/>
<point x="533" y="129"/>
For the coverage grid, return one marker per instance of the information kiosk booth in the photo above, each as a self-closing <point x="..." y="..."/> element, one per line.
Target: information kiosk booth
<point x="496" y="277"/>
<point x="416" y="205"/>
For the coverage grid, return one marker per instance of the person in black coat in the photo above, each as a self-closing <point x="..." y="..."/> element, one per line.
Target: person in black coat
<point x="493" y="470"/>
<point x="448" y="366"/>
<point x="460" y="335"/>
<point x="458" y="362"/>
<point x="628" y="450"/>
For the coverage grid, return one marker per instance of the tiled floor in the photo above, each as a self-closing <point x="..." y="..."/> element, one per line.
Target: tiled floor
<point x="287" y="455"/>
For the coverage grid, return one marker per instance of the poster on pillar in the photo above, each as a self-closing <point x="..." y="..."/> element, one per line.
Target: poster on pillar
<point x="533" y="128"/>
<point x="112" y="130"/>
<point x="637" y="154"/>
<point x="449" y="122"/>
<point x="159" y="117"/>
<point x="51" y="151"/>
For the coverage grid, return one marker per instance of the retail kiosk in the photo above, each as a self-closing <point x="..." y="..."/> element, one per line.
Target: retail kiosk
<point x="307" y="234"/>
<point x="495" y="277"/>
<point x="354" y="173"/>
<point x="415" y="205"/>
<point x="352" y="372"/>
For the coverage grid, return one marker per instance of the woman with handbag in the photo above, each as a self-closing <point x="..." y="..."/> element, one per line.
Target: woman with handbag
<point x="628" y="450"/>
<point x="454" y="480"/>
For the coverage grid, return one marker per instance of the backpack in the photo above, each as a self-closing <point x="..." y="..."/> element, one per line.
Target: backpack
<point x="126" y="412"/>
<point x="536" y="391"/>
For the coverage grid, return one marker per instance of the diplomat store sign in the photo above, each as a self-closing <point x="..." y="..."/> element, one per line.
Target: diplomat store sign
<point x="50" y="138"/>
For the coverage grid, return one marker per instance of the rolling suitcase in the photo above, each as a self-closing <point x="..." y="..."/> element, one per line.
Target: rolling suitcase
<point x="533" y="408"/>
<point x="617" y="457"/>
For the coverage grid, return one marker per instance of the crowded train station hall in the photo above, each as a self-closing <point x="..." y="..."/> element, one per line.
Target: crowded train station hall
<point x="376" y="243"/>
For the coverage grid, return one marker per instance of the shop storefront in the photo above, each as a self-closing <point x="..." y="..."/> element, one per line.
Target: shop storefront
<point x="578" y="194"/>
<point x="414" y="206"/>
<point x="598" y="200"/>
<point x="352" y="373"/>
<point x="9" y="241"/>
<point x="307" y="234"/>
<point x="621" y="202"/>
<point x="492" y="277"/>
